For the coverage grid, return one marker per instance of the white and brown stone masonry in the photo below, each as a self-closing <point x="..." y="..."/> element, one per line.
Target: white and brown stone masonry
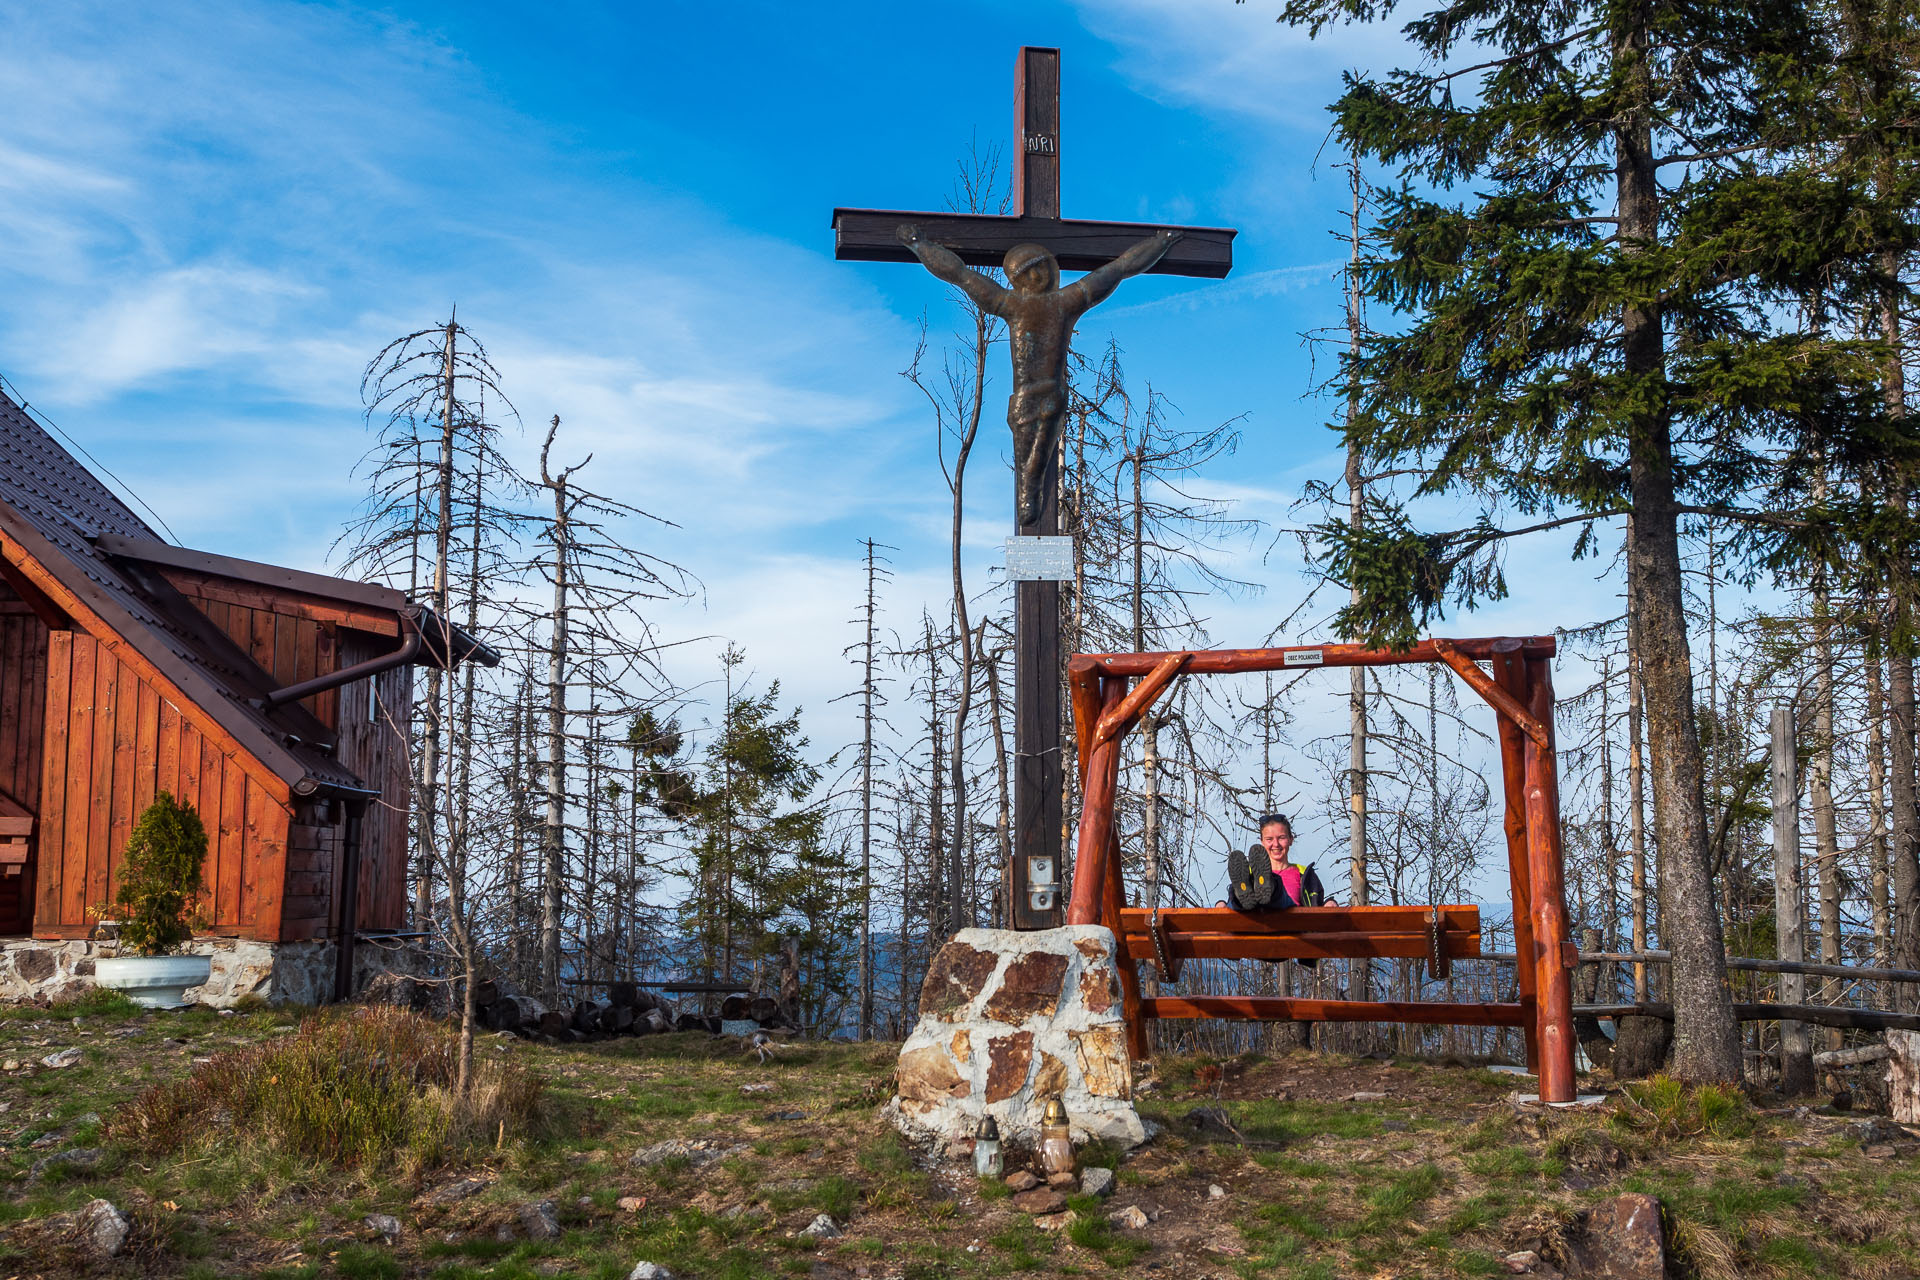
<point x="1008" y="1020"/>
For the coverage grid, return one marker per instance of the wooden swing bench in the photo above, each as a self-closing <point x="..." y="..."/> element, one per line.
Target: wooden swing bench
<point x="1111" y="691"/>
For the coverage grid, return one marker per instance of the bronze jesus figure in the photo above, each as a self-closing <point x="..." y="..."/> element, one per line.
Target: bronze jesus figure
<point x="1041" y="315"/>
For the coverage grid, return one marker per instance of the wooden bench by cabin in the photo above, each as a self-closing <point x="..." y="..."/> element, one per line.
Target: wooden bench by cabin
<point x="16" y="864"/>
<point x="1108" y="700"/>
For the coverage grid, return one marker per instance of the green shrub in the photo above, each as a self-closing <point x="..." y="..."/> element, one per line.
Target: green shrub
<point x="350" y="1088"/>
<point x="160" y="877"/>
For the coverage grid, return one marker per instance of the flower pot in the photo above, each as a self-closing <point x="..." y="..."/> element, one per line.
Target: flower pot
<point x="158" y="982"/>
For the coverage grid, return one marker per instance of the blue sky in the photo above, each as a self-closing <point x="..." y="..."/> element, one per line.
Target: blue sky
<point x="215" y="214"/>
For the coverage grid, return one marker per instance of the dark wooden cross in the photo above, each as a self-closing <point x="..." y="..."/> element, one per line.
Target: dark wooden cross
<point x="982" y="240"/>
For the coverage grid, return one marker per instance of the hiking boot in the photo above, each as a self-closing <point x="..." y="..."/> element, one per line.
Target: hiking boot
<point x="1260" y="878"/>
<point x="1239" y="882"/>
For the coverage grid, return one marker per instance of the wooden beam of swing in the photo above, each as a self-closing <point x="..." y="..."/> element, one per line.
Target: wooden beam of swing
<point x="1083" y="687"/>
<point x="1122" y="717"/>
<point x="1302" y="656"/>
<point x="1296" y="1009"/>
<point x="1303" y="946"/>
<point x="1503" y="702"/>
<point x="1454" y="918"/>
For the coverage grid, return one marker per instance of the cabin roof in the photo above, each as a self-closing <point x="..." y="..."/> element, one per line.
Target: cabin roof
<point x="97" y="548"/>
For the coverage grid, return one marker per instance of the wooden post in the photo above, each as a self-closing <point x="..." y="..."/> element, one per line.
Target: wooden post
<point x="1789" y="901"/>
<point x="1551" y="944"/>
<point x="1509" y="669"/>
<point x="1038" y="773"/>
<point x="1096" y="818"/>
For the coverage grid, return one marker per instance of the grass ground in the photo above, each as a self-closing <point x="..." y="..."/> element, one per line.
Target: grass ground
<point x="1440" y="1177"/>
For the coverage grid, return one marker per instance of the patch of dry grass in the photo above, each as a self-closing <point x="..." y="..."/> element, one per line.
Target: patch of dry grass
<point x="350" y="1088"/>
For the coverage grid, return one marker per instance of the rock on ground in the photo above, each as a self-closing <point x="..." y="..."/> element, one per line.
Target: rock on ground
<point x="384" y="1225"/>
<point x="649" y="1271"/>
<point x="697" y="1152"/>
<point x="75" y="1159"/>
<point x="1022" y="1180"/>
<point x="1618" y="1239"/>
<point x="64" y="1058"/>
<point x="1210" y="1124"/>
<point x="821" y="1228"/>
<point x="539" y="1221"/>
<point x="1040" y="1201"/>
<point x="454" y="1191"/>
<point x="1131" y="1217"/>
<point x="105" y="1228"/>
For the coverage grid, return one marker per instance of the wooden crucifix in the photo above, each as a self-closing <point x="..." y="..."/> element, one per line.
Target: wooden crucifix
<point x="1032" y="246"/>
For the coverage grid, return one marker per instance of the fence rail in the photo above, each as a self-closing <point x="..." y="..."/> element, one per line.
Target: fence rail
<point x="1751" y="964"/>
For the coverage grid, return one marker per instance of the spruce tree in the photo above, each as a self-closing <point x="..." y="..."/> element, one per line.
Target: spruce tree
<point x="1604" y="215"/>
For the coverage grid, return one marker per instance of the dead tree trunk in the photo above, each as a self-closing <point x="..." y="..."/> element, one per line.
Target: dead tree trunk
<point x="1878" y="883"/>
<point x="866" y="804"/>
<point x="431" y="729"/>
<point x="1796" y="1041"/>
<point x="1359" y="972"/>
<point x="1826" y="841"/>
<point x="553" y="841"/>
<point x="1003" y="808"/>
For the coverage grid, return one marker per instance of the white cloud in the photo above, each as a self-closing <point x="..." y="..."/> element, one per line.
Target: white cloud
<point x="1240" y="289"/>
<point x="1237" y="59"/>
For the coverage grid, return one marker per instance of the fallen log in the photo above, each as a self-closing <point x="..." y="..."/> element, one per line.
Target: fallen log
<point x="631" y="995"/>
<point x="1852" y="1057"/>
<point x="763" y="1008"/>
<point x="733" y="1008"/>
<point x="513" y="1013"/>
<point x="1820" y="1014"/>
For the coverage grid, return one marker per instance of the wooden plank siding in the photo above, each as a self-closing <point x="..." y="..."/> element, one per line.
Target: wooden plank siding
<point x="112" y="741"/>
<point x="295" y="638"/>
<point x="373" y="743"/>
<point x="313" y="868"/>
<point x="23" y="693"/>
<point x="289" y="644"/>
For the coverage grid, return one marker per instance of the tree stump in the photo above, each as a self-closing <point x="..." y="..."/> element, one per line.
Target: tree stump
<point x="1641" y="1049"/>
<point x="1903" y="1076"/>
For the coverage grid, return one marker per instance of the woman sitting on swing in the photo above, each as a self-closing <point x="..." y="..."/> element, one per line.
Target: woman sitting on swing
<point x="1264" y="879"/>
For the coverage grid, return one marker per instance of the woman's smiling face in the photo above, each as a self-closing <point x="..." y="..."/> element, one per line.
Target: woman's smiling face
<point x="1276" y="838"/>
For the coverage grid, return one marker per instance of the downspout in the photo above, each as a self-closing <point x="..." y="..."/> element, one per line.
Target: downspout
<point x="410" y="648"/>
<point x="350" y="899"/>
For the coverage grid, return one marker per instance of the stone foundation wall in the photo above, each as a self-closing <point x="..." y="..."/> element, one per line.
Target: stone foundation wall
<point x="1009" y="1020"/>
<point x="46" y="972"/>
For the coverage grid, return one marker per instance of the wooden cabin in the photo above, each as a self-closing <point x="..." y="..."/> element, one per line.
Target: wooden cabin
<point x="273" y="700"/>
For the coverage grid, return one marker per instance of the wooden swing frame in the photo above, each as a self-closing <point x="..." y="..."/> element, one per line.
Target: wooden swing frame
<point x="1107" y="703"/>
